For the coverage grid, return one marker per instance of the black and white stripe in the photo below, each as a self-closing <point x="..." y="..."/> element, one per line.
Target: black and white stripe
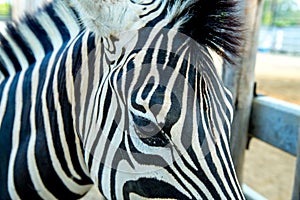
<point x="27" y="42"/>
<point x="156" y="118"/>
<point x="141" y="114"/>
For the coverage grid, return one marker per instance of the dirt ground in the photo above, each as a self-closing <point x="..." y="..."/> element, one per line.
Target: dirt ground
<point x="267" y="170"/>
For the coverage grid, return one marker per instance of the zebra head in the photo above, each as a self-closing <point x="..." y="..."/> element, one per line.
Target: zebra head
<point x="159" y="122"/>
<point x="157" y="125"/>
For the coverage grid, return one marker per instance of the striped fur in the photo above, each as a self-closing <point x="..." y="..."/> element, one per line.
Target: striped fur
<point x="139" y="113"/>
<point x="27" y="42"/>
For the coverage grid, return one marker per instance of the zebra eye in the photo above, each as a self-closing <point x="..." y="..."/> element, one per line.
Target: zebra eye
<point x="149" y="129"/>
<point x="144" y="126"/>
<point x="149" y="132"/>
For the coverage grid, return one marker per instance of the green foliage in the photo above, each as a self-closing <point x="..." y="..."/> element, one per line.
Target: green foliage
<point x="281" y="13"/>
<point x="4" y="9"/>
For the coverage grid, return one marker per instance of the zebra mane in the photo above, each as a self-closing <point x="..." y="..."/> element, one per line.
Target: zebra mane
<point x="216" y="24"/>
<point x="29" y="39"/>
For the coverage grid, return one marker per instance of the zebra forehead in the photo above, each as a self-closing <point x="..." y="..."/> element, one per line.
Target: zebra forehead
<point x="110" y="17"/>
<point x="106" y="17"/>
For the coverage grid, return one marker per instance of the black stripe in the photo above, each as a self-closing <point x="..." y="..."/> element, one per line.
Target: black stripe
<point x="104" y="114"/>
<point x="40" y="33"/>
<point x="151" y="11"/>
<point x="90" y="77"/>
<point x="179" y="180"/>
<point x="157" y="19"/>
<point x="201" y="132"/>
<point x="22" y="44"/>
<point x="3" y="69"/>
<point x="144" y="4"/>
<point x="152" y="188"/>
<point x="51" y="179"/>
<point x="216" y="110"/>
<point x="62" y="28"/>
<point x="49" y="176"/>
<point x="10" y="53"/>
<point x="6" y="136"/>
<point x="104" y="155"/>
<point x="24" y="185"/>
<point x="68" y="125"/>
<point x="76" y="54"/>
<point x="231" y="171"/>
<point x="214" y="171"/>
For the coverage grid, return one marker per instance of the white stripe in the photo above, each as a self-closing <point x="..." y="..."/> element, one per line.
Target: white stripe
<point x="15" y="138"/>
<point x="69" y="183"/>
<point x="4" y="99"/>
<point x="220" y="124"/>
<point x="72" y="185"/>
<point x="71" y="97"/>
<point x="49" y="26"/>
<point x="59" y="110"/>
<point x="33" y="42"/>
<point x="17" y="51"/>
<point x="32" y="164"/>
<point x="85" y="75"/>
<point x="1" y="77"/>
<point x="216" y="159"/>
<point x="176" y="138"/>
<point x="68" y="18"/>
<point x="9" y="66"/>
<point x="196" y="148"/>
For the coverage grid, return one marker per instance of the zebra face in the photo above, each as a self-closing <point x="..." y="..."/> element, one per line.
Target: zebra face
<point x="159" y="119"/>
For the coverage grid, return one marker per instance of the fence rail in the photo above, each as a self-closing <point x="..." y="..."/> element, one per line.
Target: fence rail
<point x="275" y="122"/>
<point x="278" y="123"/>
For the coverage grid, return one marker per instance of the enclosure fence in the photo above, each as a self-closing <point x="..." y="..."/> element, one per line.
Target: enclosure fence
<point x="270" y="120"/>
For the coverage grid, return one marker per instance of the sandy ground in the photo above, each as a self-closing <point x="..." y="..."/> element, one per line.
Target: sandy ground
<point x="279" y="76"/>
<point x="267" y="170"/>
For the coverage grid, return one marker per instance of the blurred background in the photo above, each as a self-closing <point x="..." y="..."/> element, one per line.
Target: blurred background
<point x="267" y="170"/>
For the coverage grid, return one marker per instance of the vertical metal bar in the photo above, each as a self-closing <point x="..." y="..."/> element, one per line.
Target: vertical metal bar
<point x="296" y="190"/>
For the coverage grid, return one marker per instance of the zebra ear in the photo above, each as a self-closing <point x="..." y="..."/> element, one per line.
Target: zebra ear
<point x="216" y="24"/>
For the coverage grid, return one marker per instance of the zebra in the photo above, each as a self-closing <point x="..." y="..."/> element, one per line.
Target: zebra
<point x="138" y="111"/>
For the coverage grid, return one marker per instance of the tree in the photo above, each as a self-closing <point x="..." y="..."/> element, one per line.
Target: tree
<point x="281" y="13"/>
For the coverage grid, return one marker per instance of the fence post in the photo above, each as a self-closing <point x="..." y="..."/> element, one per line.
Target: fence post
<point x="296" y="191"/>
<point x="240" y="81"/>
